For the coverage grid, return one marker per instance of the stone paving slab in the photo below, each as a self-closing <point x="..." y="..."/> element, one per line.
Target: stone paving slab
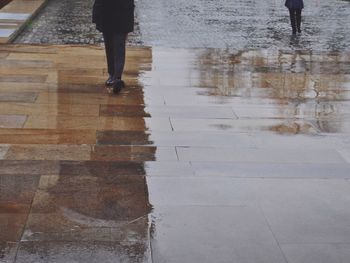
<point x="206" y="156"/>
<point x="321" y="253"/>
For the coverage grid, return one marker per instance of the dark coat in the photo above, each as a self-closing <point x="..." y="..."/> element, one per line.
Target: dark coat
<point x="115" y="16"/>
<point x="294" y="4"/>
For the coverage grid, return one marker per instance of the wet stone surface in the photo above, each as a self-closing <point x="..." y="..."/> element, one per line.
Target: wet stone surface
<point x="236" y="24"/>
<point x="65" y="22"/>
<point x="218" y="156"/>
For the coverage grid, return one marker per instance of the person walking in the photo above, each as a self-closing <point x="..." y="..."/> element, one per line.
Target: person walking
<point x="295" y="7"/>
<point x="115" y="19"/>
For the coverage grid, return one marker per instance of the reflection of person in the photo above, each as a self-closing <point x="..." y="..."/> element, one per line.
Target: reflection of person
<point x="295" y="7"/>
<point x="115" y="19"/>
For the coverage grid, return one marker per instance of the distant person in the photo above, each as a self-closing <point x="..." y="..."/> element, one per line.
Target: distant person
<point x="295" y="7"/>
<point x="115" y="19"/>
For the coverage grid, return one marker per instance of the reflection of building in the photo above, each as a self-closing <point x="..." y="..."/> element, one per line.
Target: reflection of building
<point x="298" y="85"/>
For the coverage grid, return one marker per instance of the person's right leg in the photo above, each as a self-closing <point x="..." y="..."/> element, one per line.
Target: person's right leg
<point x="119" y="45"/>
<point x="119" y="50"/>
<point x="292" y="15"/>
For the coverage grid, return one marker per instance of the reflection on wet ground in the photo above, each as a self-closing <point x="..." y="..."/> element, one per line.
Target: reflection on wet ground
<point x="214" y="157"/>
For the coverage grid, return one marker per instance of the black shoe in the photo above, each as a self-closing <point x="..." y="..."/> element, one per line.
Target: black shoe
<point x="299" y="30"/>
<point x="109" y="81"/>
<point x="118" y="86"/>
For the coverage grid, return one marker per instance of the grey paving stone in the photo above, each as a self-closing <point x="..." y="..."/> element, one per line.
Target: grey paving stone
<point x="272" y="170"/>
<point x="191" y="234"/>
<point x="275" y="141"/>
<point x="317" y="253"/>
<point x="168" y="169"/>
<point x="181" y="191"/>
<point x="297" y="210"/>
<point x="203" y="139"/>
<point x="345" y="153"/>
<point x="192" y="112"/>
<point x="197" y="154"/>
<point x="303" y="211"/>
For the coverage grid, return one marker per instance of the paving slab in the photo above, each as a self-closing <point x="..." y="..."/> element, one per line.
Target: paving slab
<point x="306" y="211"/>
<point x="311" y="253"/>
<point x="272" y="170"/>
<point x="243" y="235"/>
<point x="258" y="155"/>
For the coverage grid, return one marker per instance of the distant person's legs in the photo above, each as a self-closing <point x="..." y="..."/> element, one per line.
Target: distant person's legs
<point x="293" y="20"/>
<point x="298" y="18"/>
<point x="115" y="45"/>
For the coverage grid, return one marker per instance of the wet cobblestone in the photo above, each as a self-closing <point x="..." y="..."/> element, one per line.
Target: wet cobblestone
<point x="234" y="24"/>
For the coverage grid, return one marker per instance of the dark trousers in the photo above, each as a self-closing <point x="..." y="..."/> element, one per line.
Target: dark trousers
<point x="295" y="19"/>
<point x="115" y="45"/>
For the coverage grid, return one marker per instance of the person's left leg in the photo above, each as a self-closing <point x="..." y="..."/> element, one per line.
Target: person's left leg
<point x="108" y="41"/>
<point x="298" y="18"/>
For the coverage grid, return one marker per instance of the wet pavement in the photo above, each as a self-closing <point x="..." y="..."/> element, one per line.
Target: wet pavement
<point x="241" y="24"/>
<point x="66" y="22"/>
<point x="218" y="156"/>
<point x="235" y="24"/>
<point x="213" y="153"/>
